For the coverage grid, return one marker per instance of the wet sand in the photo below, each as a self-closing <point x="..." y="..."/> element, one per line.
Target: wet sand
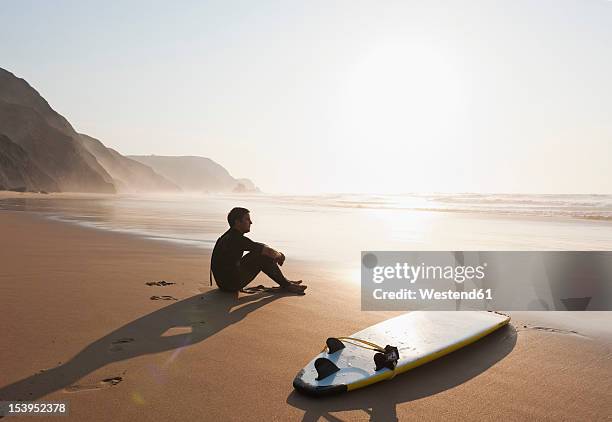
<point x="79" y="324"/>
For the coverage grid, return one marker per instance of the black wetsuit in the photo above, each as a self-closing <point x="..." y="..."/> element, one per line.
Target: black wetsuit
<point x="233" y="271"/>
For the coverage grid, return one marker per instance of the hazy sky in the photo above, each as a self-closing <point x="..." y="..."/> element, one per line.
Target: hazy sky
<point x="336" y="96"/>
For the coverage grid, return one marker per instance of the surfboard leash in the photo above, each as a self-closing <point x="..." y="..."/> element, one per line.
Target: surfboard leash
<point x="334" y="347"/>
<point x="385" y="357"/>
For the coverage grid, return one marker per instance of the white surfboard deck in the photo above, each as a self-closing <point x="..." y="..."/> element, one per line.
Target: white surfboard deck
<point x="420" y="337"/>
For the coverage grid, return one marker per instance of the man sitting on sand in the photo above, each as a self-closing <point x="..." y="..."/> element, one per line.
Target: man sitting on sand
<point x="233" y="271"/>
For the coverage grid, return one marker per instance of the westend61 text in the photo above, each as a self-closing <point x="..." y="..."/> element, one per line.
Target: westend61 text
<point x="432" y="294"/>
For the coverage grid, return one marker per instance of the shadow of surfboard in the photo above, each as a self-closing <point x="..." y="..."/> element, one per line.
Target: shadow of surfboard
<point x="379" y="401"/>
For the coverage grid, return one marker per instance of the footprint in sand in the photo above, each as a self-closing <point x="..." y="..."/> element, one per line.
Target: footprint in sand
<point x="554" y="330"/>
<point x="159" y="283"/>
<point x="105" y="383"/>
<point x="116" y="345"/>
<point x="557" y="330"/>
<point x="165" y="297"/>
<point x="123" y="340"/>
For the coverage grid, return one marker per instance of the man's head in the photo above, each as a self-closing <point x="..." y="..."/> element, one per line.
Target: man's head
<point x="240" y="219"/>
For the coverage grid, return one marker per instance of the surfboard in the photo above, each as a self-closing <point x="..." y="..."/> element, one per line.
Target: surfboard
<point x="419" y="337"/>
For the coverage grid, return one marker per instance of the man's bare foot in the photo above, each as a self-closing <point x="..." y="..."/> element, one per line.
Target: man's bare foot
<point x="294" y="288"/>
<point x="295" y="281"/>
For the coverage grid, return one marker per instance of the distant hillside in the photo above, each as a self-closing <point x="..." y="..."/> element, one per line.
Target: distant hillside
<point x="40" y="150"/>
<point x="245" y="185"/>
<point x="48" y="139"/>
<point x="18" y="172"/>
<point x="195" y="174"/>
<point x="129" y="175"/>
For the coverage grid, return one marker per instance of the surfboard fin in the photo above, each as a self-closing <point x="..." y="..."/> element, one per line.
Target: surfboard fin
<point x="325" y="368"/>
<point x="388" y="359"/>
<point x="333" y="345"/>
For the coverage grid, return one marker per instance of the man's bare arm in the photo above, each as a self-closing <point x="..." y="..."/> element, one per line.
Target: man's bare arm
<point x="275" y="255"/>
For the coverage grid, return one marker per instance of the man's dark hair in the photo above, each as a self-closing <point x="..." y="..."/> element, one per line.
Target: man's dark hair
<point x="236" y="214"/>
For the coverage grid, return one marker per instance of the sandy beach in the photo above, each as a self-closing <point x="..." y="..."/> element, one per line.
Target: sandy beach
<point x="80" y="325"/>
<point x="400" y="161"/>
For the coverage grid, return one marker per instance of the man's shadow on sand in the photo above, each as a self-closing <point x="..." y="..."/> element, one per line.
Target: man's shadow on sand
<point x="205" y="315"/>
<point x="379" y="401"/>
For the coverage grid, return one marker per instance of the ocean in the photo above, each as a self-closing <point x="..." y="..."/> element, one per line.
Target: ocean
<point x="335" y="228"/>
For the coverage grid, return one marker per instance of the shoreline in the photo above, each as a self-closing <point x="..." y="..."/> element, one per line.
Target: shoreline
<point x="469" y="213"/>
<point x="79" y="325"/>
